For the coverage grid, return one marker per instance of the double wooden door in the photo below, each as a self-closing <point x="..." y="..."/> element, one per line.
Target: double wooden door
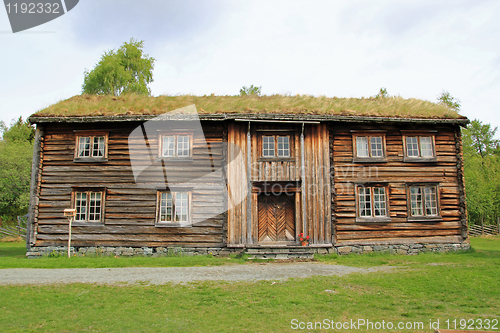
<point x="276" y="217"/>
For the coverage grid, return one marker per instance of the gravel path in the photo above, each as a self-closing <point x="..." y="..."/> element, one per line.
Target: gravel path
<point x="162" y="275"/>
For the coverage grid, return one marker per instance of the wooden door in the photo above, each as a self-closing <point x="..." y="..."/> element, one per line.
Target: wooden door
<point x="276" y="218"/>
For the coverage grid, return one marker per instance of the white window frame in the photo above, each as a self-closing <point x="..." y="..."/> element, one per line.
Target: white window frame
<point x="419" y="144"/>
<point x="175" y="152"/>
<point x="176" y="201"/>
<point x="368" y="138"/>
<point x="93" y="152"/>
<point x="87" y="205"/>
<point x="429" y="201"/>
<point x="275" y="141"/>
<point x="364" y="191"/>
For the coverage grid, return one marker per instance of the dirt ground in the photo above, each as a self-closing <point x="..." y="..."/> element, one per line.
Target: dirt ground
<point x="162" y="275"/>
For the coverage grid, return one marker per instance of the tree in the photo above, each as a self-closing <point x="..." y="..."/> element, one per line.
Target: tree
<point x="382" y="93"/>
<point x="482" y="172"/>
<point x="480" y="138"/>
<point x="126" y="70"/>
<point x="16" y="152"/>
<point x="244" y="91"/>
<point x="451" y="102"/>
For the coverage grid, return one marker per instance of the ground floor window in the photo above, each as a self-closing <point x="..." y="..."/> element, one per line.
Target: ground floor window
<point x="173" y="207"/>
<point x="372" y="201"/>
<point x="423" y="200"/>
<point x="89" y="206"/>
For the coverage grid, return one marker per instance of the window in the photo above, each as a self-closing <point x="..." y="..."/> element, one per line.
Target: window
<point x="369" y="148"/>
<point x="275" y="146"/>
<point x="89" y="206"/>
<point x="423" y="201"/>
<point x="173" y="207"/>
<point x="372" y="203"/>
<point x="175" y="146"/>
<point x="91" y="147"/>
<point x="419" y="147"/>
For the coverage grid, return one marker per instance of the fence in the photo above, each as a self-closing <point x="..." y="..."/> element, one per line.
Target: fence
<point x="481" y="229"/>
<point x="16" y="231"/>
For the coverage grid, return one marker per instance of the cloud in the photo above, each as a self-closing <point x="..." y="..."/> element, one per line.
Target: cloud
<point x="158" y="22"/>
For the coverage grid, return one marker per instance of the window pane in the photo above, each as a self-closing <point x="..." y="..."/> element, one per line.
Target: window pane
<point x="430" y="200"/>
<point x="283" y="146"/>
<point x="95" y="206"/>
<point x="166" y="206"/>
<point x="379" y="202"/>
<point x="365" y="202"/>
<point x="181" y="207"/>
<point x="98" y="146"/>
<point x="168" y="146"/>
<point x="268" y="146"/>
<point x="81" y="206"/>
<point x="376" y="146"/>
<point x="412" y="146"/>
<point x="426" y="146"/>
<point x="362" y="146"/>
<point x="416" y="201"/>
<point x="183" y="146"/>
<point x="84" y="146"/>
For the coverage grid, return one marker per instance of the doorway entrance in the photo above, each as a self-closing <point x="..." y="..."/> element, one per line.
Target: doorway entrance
<point x="276" y="215"/>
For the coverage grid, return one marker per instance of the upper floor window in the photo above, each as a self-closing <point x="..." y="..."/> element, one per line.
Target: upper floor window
<point x="91" y="147"/>
<point x="173" y="207"/>
<point x="89" y="206"/>
<point x="275" y="146"/>
<point x="369" y="148"/>
<point x="419" y="147"/>
<point x="175" y="145"/>
<point x="371" y="203"/>
<point x="423" y="201"/>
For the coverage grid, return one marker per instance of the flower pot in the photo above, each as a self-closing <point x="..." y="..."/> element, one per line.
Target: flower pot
<point x="304" y="243"/>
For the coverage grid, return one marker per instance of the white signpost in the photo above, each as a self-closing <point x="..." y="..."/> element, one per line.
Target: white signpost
<point x="70" y="214"/>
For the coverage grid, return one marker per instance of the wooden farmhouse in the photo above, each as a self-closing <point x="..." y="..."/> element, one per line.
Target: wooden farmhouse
<point x="247" y="174"/>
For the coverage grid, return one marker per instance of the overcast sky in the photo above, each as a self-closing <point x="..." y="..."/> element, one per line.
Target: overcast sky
<point x="333" y="48"/>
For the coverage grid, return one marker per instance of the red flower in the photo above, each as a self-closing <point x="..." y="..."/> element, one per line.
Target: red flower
<point x="307" y="237"/>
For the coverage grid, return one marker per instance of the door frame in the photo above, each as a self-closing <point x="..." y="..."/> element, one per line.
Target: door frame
<point x="267" y="187"/>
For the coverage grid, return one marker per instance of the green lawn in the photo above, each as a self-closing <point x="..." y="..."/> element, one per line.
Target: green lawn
<point x="423" y="288"/>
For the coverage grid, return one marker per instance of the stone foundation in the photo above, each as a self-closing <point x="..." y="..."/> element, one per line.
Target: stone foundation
<point x="119" y="251"/>
<point x="413" y="249"/>
<point x="407" y="249"/>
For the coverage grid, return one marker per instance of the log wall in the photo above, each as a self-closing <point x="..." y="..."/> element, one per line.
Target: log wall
<point x="397" y="174"/>
<point x="130" y="207"/>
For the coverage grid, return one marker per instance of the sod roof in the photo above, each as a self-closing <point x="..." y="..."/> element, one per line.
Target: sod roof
<point x="128" y="106"/>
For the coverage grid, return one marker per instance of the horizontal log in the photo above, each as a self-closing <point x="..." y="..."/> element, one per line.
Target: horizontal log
<point x="345" y="235"/>
<point x="402" y="241"/>
<point x="125" y="230"/>
<point x="116" y="243"/>
<point x="398" y="226"/>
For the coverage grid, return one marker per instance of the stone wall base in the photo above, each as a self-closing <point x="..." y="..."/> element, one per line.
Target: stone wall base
<point x="98" y="251"/>
<point x="108" y="251"/>
<point x="406" y="249"/>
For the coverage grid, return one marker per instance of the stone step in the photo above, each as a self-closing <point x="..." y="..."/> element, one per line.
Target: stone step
<point x="289" y="252"/>
<point x="281" y="256"/>
<point x="280" y="250"/>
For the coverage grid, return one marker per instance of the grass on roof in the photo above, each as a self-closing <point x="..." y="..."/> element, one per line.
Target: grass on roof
<point x="102" y="105"/>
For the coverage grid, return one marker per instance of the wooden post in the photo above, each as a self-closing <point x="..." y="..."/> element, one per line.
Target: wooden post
<point x="69" y="237"/>
<point x="249" y="187"/>
<point x="303" y="181"/>
<point x="482" y="225"/>
<point x="498" y="225"/>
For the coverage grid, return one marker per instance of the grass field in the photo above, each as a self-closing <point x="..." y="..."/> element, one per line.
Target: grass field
<point x="420" y="289"/>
